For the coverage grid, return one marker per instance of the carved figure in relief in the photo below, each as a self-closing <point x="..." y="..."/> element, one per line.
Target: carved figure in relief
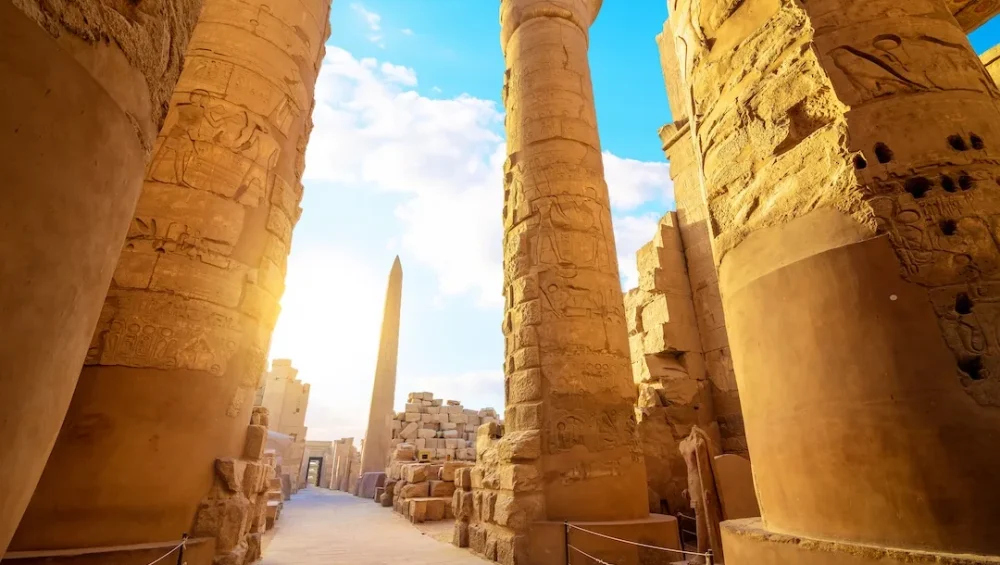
<point x="698" y="454"/>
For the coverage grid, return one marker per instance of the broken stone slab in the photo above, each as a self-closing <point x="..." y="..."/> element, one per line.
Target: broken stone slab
<point x="441" y="489"/>
<point x="427" y="509"/>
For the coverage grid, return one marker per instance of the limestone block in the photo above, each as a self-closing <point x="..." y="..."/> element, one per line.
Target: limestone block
<point x="405" y="452"/>
<point x="261" y="416"/>
<point x="471" y="413"/>
<point x="487" y="413"/>
<point x="474" y="420"/>
<point x="520" y="446"/>
<point x="433" y="409"/>
<point x="460" y="536"/>
<point x="450" y="468"/>
<point x="441" y="453"/>
<point x="427" y="509"/>
<point x="410" y="431"/>
<point x="449" y="453"/>
<point x="230" y="473"/>
<point x="520" y="478"/>
<point x="441" y="488"/>
<point x="254" y="477"/>
<point x="412" y="417"/>
<point x="454" y="443"/>
<point x="425" y="403"/>
<point x="426" y="433"/>
<point x="420" y="442"/>
<point x="454" y="403"/>
<point x="416" y="473"/>
<point x="430" y="417"/>
<point x="477" y="539"/>
<point x="462" y="504"/>
<point x="225" y="520"/>
<point x="463" y="478"/>
<point x="395" y="425"/>
<point x="256" y="442"/>
<point x="439" y="418"/>
<point x="455" y="409"/>
<point x="449" y="426"/>
<point x="414" y="408"/>
<point x="436" y="402"/>
<point x="414" y="490"/>
<point x="453" y="434"/>
<point x="458" y="418"/>
<point x="385" y="500"/>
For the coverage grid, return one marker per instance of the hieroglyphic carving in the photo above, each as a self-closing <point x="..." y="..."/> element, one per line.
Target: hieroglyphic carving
<point x="237" y="110"/>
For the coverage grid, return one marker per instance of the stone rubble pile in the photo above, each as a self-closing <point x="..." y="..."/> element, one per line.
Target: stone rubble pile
<point x="438" y="429"/>
<point x="421" y="492"/>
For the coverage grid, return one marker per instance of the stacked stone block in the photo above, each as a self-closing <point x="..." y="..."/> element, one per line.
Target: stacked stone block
<point x="462" y="506"/>
<point x="421" y="492"/>
<point x="235" y="510"/>
<point x="439" y="430"/>
<point x="668" y="365"/>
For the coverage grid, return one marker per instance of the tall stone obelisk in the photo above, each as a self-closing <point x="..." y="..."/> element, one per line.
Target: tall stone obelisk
<point x="375" y="452"/>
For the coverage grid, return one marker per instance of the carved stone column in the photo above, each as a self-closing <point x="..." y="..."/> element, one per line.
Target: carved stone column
<point x="849" y="155"/>
<point x="181" y="342"/>
<point x="84" y="89"/>
<point x="570" y="451"/>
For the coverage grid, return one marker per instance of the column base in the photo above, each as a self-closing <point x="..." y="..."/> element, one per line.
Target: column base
<point x="547" y="542"/>
<point x="368" y="483"/>
<point x="748" y="542"/>
<point x="198" y="551"/>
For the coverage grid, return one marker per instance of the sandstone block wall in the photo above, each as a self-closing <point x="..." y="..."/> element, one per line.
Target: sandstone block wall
<point x="668" y="364"/>
<point x="438" y="429"/>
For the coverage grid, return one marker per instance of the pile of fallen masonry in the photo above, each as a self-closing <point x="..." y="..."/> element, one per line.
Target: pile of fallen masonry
<point x="421" y="492"/>
<point x="437" y="429"/>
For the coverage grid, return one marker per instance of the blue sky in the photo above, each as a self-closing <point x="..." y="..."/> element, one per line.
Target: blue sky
<point x="405" y="159"/>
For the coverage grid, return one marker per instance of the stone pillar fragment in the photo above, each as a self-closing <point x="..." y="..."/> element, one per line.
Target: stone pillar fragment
<point x="375" y="450"/>
<point x="848" y="152"/>
<point x="182" y="339"/>
<point x="84" y="92"/>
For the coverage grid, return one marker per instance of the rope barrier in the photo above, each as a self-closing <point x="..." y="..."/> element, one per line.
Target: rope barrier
<point x="598" y="560"/>
<point x="625" y="541"/>
<point x="175" y="548"/>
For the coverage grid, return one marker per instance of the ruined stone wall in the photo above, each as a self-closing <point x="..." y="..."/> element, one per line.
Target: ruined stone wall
<point x="696" y="246"/>
<point x="991" y="60"/>
<point x="668" y="365"/>
<point x="194" y="298"/>
<point x="235" y="510"/>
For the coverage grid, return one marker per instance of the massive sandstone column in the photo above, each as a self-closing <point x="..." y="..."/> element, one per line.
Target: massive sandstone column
<point x="84" y="89"/>
<point x="570" y="451"/>
<point x="848" y="151"/>
<point x="375" y="452"/>
<point x="182" y="339"/>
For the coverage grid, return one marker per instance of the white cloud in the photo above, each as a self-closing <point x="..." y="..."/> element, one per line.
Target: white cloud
<point x="632" y="183"/>
<point x="444" y="158"/>
<point x="373" y="20"/>
<point x="399" y="74"/>
<point x="406" y="31"/>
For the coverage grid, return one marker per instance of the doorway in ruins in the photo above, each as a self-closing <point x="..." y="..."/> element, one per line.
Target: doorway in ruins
<point x="314" y="470"/>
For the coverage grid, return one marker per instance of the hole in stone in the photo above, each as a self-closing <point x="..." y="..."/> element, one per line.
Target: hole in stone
<point x="918" y="186"/>
<point x="860" y="163"/>
<point x="957" y="143"/>
<point x="977" y="142"/>
<point x="965" y="182"/>
<point x="972" y="366"/>
<point x="948" y="227"/>
<point x="947" y="183"/>
<point x="963" y="304"/>
<point x="883" y="153"/>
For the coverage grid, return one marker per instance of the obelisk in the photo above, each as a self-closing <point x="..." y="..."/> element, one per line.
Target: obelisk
<point x="375" y="451"/>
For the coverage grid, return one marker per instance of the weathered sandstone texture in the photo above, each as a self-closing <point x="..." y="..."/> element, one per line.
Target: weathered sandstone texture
<point x="439" y="430"/>
<point x="845" y="151"/>
<point x="84" y="90"/>
<point x="181" y="341"/>
<point x="668" y="364"/>
<point x="570" y="449"/>
<point x="236" y="508"/>
<point x="375" y="454"/>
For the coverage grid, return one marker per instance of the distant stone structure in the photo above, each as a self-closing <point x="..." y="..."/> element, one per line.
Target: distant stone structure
<point x="317" y="463"/>
<point x="375" y="454"/>
<point x="287" y="399"/>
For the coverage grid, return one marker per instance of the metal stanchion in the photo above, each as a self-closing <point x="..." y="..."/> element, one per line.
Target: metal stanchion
<point x="566" y="529"/>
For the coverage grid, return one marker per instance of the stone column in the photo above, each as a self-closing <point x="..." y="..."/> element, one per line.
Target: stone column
<point x="375" y="452"/>
<point x="849" y="156"/>
<point x="570" y="451"/>
<point x="182" y="339"/>
<point x="84" y="91"/>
